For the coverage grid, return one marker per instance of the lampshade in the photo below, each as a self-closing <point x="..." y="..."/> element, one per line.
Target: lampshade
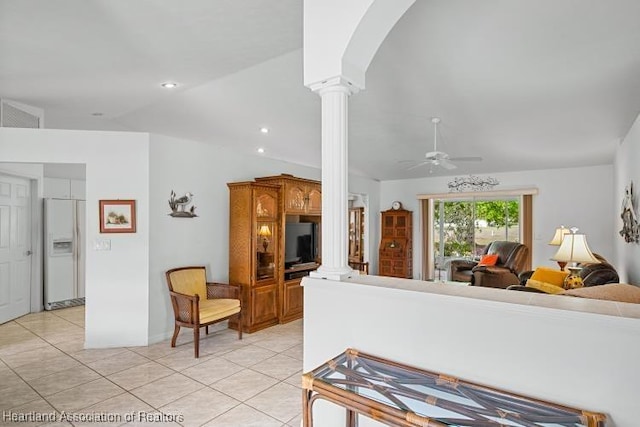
<point x="574" y="248"/>
<point x="264" y="231"/>
<point x="559" y="235"/>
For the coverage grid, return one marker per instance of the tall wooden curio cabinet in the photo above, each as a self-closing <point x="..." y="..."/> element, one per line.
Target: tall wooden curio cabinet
<point x="254" y="245"/>
<point x="396" y="248"/>
<point x="274" y="241"/>
<point x="300" y="203"/>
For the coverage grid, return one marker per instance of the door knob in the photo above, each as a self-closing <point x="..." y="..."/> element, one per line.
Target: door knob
<point x="28" y="253"/>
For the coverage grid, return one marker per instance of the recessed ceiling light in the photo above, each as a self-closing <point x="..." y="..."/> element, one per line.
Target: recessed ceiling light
<point x="260" y="150"/>
<point x="264" y="130"/>
<point x="169" y="85"/>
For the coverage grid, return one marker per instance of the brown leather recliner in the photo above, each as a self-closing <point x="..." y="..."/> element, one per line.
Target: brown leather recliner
<point x="512" y="257"/>
<point x="602" y="273"/>
<point x="460" y="270"/>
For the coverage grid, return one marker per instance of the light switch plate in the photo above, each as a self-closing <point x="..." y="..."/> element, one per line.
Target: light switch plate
<point x="102" y="245"/>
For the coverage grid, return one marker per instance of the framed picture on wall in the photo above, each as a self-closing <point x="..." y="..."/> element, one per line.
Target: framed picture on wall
<point x="117" y="216"/>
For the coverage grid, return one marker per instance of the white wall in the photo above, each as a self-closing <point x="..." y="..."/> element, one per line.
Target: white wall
<point x="324" y="49"/>
<point x="117" y="167"/>
<point x="626" y="167"/>
<point x="343" y="44"/>
<point x="574" y="358"/>
<point x="65" y="170"/>
<point x="204" y="170"/>
<point x="579" y="197"/>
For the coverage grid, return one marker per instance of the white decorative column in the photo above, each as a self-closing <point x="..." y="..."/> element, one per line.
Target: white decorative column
<point x="335" y="96"/>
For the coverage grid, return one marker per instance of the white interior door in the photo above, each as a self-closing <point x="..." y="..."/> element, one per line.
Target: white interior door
<point x="15" y="247"/>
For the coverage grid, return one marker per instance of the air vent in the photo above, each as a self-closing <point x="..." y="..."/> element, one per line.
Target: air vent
<point x="16" y="115"/>
<point x="64" y="304"/>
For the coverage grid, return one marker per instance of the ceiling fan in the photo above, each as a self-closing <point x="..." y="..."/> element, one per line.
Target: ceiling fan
<point x="439" y="158"/>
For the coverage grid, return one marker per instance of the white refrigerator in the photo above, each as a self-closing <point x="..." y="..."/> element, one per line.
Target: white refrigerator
<point x="64" y="271"/>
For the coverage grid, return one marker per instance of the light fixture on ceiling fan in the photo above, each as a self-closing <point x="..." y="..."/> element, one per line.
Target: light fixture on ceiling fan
<point x="439" y="158"/>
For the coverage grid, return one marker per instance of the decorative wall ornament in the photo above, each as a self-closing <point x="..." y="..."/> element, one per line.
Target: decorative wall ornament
<point x="630" y="229"/>
<point x="472" y="183"/>
<point x="179" y="206"/>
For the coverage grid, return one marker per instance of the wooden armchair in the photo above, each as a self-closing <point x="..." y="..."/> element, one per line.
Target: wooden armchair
<point x="197" y="303"/>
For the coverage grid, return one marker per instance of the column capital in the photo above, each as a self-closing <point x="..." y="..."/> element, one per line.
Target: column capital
<point x="337" y="83"/>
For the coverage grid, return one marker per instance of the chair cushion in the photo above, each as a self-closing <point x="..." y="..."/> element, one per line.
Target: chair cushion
<point x="219" y="308"/>
<point x="549" y="275"/>
<point x="191" y="281"/>
<point x="488" y="260"/>
<point x="547" y="288"/>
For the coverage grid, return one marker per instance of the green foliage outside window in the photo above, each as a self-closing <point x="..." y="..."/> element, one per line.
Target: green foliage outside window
<point x="494" y="212"/>
<point x="458" y="227"/>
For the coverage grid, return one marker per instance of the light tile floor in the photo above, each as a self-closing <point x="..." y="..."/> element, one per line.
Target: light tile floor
<point x="46" y="373"/>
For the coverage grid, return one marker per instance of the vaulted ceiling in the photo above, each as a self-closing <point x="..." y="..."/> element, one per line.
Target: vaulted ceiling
<point x="527" y="84"/>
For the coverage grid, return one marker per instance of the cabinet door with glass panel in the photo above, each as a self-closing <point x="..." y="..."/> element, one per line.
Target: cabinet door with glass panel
<point x="266" y="232"/>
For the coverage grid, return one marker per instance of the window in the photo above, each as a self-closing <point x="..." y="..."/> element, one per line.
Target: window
<point x="460" y="225"/>
<point x="464" y="228"/>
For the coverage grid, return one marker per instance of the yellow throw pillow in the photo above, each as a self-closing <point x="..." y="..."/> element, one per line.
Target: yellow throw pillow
<point x="547" y="288"/>
<point x="549" y="275"/>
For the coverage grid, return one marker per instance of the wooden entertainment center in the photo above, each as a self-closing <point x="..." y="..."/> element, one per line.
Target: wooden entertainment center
<point x="261" y="258"/>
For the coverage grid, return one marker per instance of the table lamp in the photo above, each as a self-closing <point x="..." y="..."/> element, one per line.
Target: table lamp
<point x="574" y="249"/>
<point x="265" y="233"/>
<point x="557" y="241"/>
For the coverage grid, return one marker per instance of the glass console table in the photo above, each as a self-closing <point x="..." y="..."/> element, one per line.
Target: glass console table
<point x="399" y="395"/>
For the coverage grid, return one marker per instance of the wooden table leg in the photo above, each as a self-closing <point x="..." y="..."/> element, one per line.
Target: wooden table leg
<point x="306" y="408"/>
<point x="352" y="418"/>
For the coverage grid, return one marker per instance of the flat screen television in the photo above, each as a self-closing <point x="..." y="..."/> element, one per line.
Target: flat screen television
<point x="300" y="243"/>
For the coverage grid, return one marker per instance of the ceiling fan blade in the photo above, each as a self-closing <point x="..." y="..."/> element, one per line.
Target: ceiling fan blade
<point x="418" y="165"/>
<point x="408" y="163"/>
<point x="466" y="159"/>
<point x="445" y="163"/>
